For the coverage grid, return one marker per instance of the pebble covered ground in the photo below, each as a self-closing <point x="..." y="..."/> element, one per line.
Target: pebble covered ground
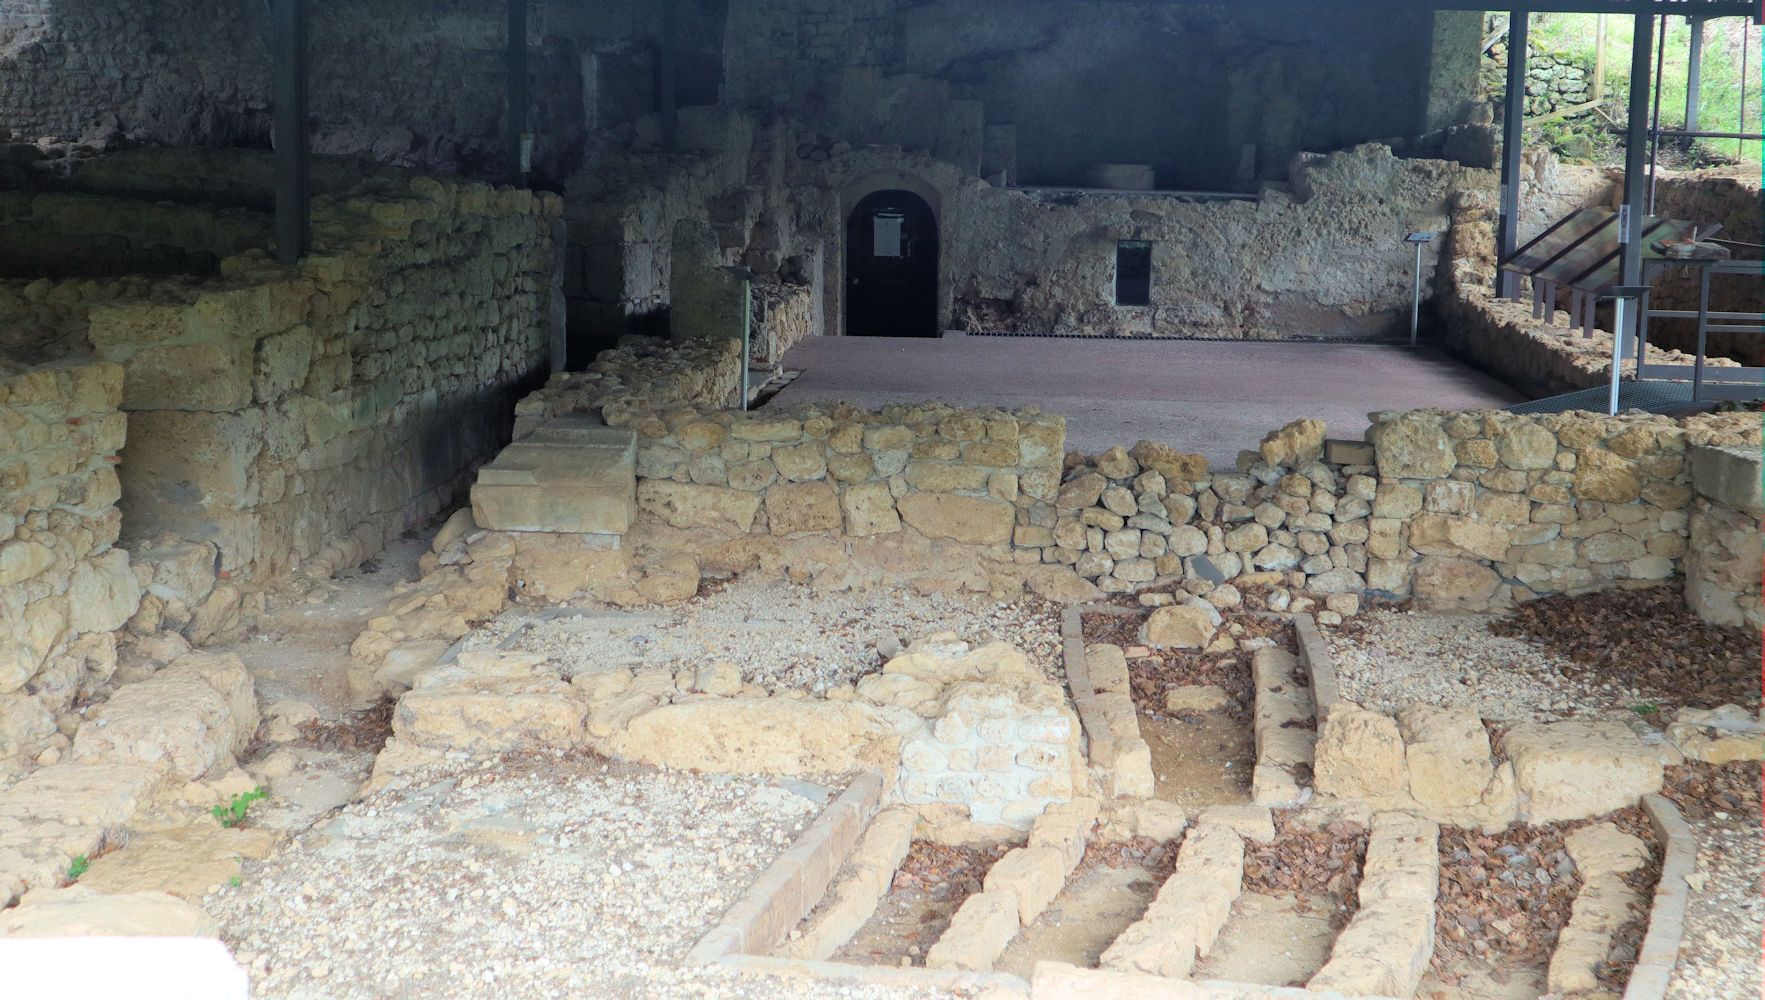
<point x="1719" y="958"/>
<point x="780" y="634"/>
<point x="532" y="877"/>
<point x="1391" y="659"/>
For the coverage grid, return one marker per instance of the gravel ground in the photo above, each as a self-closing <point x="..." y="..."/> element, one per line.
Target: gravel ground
<point x="1720" y="956"/>
<point x="1391" y="659"/>
<point x="780" y="634"/>
<point x="531" y="877"/>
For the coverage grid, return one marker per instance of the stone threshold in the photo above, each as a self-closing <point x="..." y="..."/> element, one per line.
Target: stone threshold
<point x="1660" y="945"/>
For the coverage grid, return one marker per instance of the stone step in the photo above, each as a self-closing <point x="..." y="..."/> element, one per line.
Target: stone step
<point x="571" y="475"/>
<point x="1286" y="731"/>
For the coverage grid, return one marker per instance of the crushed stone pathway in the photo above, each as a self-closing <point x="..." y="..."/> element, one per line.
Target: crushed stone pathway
<point x="535" y="877"/>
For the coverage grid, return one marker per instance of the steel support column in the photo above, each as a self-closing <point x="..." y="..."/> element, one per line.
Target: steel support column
<point x="1513" y="144"/>
<point x="293" y="143"/>
<point x="1694" y="74"/>
<point x="668" y="72"/>
<point x="1636" y="146"/>
<point x="515" y="119"/>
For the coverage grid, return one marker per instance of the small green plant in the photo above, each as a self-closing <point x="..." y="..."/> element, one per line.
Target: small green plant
<point x="79" y="867"/>
<point x="236" y="881"/>
<point x="1646" y="708"/>
<point x="234" y="814"/>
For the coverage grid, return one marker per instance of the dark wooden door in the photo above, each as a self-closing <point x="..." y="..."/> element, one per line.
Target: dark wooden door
<point x="892" y="267"/>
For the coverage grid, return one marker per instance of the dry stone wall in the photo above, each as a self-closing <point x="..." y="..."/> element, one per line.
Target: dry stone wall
<point x="304" y="416"/>
<point x="65" y="586"/>
<point x="83" y="235"/>
<point x="1722" y="566"/>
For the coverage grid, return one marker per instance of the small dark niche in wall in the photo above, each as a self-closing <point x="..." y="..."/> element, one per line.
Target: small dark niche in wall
<point x="1133" y="273"/>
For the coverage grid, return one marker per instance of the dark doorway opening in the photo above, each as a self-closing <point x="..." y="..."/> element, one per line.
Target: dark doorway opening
<point x="892" y="267"/>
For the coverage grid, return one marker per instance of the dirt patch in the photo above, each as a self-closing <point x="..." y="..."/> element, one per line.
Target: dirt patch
<point x="1702" y="790"/>
<point x="928" y="889"/>
<point x="1505" y="897"/>
<point x="1646" y="639"/>
<point x="1105" y="895"/>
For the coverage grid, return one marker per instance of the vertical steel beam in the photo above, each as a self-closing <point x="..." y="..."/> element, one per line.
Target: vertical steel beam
<point x="293" y="143"/>
<point x="668" y="72"/>
<point x="1694" y="75"/>
<point x="515" y="119"/>
<point x="1636" y="144"/>
<point x="1655" y="116"/>
<point x="1513" y="143"/>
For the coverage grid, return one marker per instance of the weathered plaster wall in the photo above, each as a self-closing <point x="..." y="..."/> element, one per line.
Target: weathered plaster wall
<point x="64" y="585"/>
<point x="414" y="82"/>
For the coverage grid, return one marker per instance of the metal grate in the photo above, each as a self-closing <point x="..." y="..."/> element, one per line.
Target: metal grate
<point x="1654" y="397"/>
<point x="1284" y="339"/>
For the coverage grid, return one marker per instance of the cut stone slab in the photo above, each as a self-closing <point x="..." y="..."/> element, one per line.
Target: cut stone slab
<point x="1576" y="769"/>
<point x="1035" y="875"/>
<point x="101" y="795"/>
<point x="188" y="719"/>
<point x="187" y="863"/>
<point x="78" y="911"/>
<point x="978" y="934"/>
<point x="572" y="475"/>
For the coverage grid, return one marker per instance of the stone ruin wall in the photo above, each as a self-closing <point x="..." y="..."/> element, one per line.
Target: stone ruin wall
<point x="197" y="72"/>
<point x="65" y="585"/>
<point x="56" y="235"/>
<point x="1738" y="204"/>
<point x="1463" y="511"/>
<point x="287" y="417"/>
<point x="1722" y="580"/>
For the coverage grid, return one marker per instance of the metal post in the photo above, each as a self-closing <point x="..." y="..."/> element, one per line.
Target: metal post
<point x="1655" y="116"/>
<point x="1635" y="151"/>
<point x="1620" y="313"/>
<point x="1746" y="50"/>
<point x="517" y="148"/>
<point x="1416" y="303"/>
<point x="1694" y="74"/>
<point x="1697" y="371"/>
<point x="293" y="144"/>
<point x="1513" y="144"/>
<point x="747" y="337"/>
<point x="668" y="72"/>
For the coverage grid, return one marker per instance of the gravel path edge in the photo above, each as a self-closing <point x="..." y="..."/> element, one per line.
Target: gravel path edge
<point x="1660" y="945"/>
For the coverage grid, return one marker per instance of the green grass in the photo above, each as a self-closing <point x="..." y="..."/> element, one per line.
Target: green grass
<point x="80" y="866"/>
<point x="1720" y="106"/>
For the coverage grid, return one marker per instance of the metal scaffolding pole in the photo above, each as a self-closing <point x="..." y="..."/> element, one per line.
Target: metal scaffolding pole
<point x="1694" y="73"/>
<point x="516" y="144"/>
<point x="293" y="143"/>
<point x="1513" y="144"/>
<point x="1635" y="169"/>
<point x="1655" y="116"/>
<point x="668" y="72"/>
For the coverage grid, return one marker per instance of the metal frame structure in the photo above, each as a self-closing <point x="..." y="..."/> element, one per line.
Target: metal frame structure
<point x="288" y="43"/>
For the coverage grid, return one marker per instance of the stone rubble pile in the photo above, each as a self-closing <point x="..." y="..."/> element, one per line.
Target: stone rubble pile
<point x="640" y="373"/>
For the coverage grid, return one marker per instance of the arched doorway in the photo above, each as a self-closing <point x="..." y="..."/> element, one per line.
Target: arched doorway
<point x="892" y="267"/>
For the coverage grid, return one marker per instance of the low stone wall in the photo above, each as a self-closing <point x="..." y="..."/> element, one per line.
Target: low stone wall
<point x="639" y="374"/>
<point x="784" y="316"/>
<point x="305" y="416"/>
<point x="965" y="476"/>
<point x="1738" y="205"/>
<point x="1722" y="582"/>
<point x="64" y="586"/>
<point x="54" y="235"/>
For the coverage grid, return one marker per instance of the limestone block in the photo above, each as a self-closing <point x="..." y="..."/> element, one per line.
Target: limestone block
<point x="978" y="933"/>
<point x="103" y="593"/>
<point x="800" y="507"/>
<point x="1602" y="475"/>
<point x="1383" y="951"/>
<point x="869" y="509"/>
<point x="1108" y="667"/>
<point x="213" y="376"/>
<point x="1412" y="446"/>
<point x="1359" y="755"/>
<point x="1175" y="466"/>
<point x="490" y="714"/>
<point x="1247" y="821"/>
<point x="1575" y="769"/>
<point x="1448" y="756"/>
<point x="99" y="795"/>
<point x="1298" y="443"/>
<point x="20" y="561"/>
<point x="1527" y="446"/>
<point x="1403" y="860"/>
<point x="1445" y="583"/>
<point x="1603" y="849"/>
<point x="1132" y="770"/>
<point x="571" y="475"/>
<point x="1197" y="698"/>
<point x="1719" y="735"/>
<point x="1034" y="875"/>
<point x="973" y="520"/>
<point x="182" y="571"/>
<point x="77" y="911"/>
<point x="1183" y="626"/>
<point x="683" y="505"/>
<point x="188" y="719"/>
<point x="1729" y="476"/>
<point x="762" y="736"/>
<point x="1066" y="827"/>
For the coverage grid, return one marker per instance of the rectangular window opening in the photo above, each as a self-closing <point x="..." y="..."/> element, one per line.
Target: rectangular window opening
<point x="1133" y="273"/>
